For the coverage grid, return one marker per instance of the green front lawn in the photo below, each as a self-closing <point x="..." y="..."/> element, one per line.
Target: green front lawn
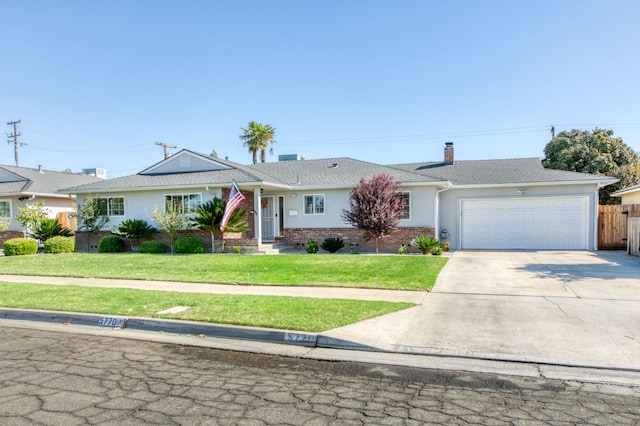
<point x="381" y="272"/>
<point x="288" y="313"/>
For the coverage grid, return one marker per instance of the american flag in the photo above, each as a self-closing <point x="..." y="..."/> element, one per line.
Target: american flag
<point x="235" y="199"/>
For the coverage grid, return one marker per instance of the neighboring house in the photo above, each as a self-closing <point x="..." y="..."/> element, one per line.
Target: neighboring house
<point x="629" y="195"/>
<point x="486" y="204"/>
<point x="21" y="187"/>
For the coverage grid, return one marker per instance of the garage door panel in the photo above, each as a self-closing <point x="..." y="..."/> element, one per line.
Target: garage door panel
<point x="531" y="223"/>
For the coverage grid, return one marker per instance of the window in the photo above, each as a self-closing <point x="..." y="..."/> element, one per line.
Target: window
<point x="5" y="208"/>
<point x="188" y="203"/>
<point x="406" y="206"/>
<point x="314" y="204"/>
<point x="112" y="206"/>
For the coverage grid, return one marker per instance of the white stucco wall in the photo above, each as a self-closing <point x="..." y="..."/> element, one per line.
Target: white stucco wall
<point x="337" y="200"/>
<point x="140" y="204"/>
<point x="52" y="207"/>
<point x="632" y="198"/>
<point x="450" y="205"/>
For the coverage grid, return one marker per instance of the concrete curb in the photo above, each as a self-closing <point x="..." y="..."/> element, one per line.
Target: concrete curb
<point x="304" y="345"/>
<point x="309" y="340"/>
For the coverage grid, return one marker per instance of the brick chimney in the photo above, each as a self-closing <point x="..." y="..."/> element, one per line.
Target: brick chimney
<point x="448" y="153"/>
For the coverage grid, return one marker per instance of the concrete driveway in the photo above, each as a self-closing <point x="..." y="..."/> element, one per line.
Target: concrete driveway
<point x="571" y="308"/>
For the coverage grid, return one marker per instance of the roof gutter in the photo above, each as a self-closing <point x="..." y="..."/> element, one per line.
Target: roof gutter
<point x="599" y="183"/>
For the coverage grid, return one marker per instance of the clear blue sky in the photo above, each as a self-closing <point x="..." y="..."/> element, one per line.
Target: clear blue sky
<point x="96" y="83"/>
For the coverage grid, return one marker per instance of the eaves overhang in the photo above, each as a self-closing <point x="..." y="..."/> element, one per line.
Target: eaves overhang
<point x="598" y="183"/>
<point x="626" y="191"/>
<point x="241" y="185"/>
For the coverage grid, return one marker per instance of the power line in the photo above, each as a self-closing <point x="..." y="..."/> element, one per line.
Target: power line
<point x="166" y="147"/>
<point x="15" y="135"/>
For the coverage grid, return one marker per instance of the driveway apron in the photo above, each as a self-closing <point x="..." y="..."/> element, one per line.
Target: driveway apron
<point x="571" y="308"/>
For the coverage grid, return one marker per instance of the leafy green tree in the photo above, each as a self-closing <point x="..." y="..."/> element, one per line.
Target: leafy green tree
<point x="257" y="137"/>
<point x="171" y="221"/>
<point x="376" y="207"/>
<point x="48" y="228"/>
<point x="30" y="216"/>
<point x="596" y="152"/>
<point x="208" y="217"/>
<point x="4" y="225"/>
<point x="90" y="217"/>
<point x="134" y="230"/>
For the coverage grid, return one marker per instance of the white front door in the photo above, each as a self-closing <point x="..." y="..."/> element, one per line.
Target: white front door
<point x="525" y="223"/>
<point x="267" y="212"/>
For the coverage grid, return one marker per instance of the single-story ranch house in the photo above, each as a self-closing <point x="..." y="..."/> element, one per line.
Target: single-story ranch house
<point x="22" y="187"/>
<point x="484" y="204"/>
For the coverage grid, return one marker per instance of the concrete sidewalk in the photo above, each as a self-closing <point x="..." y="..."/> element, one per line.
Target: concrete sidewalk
<point x="523" y="313"/>
<point x="314" y="292"/>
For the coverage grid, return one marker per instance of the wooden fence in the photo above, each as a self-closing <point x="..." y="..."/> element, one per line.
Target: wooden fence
<point x="634" y="236"/>
<point x="67" y="220"/>
<point x="613" y="225"/>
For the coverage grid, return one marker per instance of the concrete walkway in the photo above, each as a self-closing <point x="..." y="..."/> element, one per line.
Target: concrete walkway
<point x="524" y="313"/>
<point x="313" y="292"/>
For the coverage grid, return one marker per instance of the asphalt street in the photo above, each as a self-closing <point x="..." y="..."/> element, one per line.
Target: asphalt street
<point x="559" y="315"/>
<point x="54" y="378"/>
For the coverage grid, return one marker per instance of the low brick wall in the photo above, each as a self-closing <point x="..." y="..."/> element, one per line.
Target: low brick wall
<point x="230" y="240"/>
<point x="298" y="237"/>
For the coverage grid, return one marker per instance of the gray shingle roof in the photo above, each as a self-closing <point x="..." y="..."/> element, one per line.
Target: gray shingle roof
<point x="134" y="182"/>
<point x="45" y="182"/>
<point x="241" y="174"/>
<point x="332" y="172"/>
<point x="345" y="172"/>
<point x="498" y="172"/>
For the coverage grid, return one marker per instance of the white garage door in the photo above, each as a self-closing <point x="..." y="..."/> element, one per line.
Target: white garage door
<point x="525" y="223"/>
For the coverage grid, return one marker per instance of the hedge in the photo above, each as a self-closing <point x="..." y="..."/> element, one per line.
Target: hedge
<point x="20" y="246"/>
<point x="59" y="244"/>
<point x="189" y="245"/>
<point x="153" y="247"/>
<point x="111" y="245"/>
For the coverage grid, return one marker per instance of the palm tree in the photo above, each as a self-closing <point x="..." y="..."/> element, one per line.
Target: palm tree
<point x="208" y="217"/>
<point x="257" y="137"/>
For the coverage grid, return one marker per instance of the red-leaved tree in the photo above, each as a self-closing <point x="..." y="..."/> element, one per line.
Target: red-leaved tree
<point x="375" y="207"/>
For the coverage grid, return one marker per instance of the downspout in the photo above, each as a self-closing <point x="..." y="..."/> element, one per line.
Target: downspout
<point x="436" y="216"/>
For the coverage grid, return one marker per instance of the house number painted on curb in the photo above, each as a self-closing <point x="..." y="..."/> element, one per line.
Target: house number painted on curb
<point x="294" y="337"/>
<point x="112" y="322"/>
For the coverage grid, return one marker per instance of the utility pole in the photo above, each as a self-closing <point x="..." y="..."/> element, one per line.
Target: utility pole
<point x="553" y="131"/>
<point x="15" y="135"/>
<point x="166" y="148"/>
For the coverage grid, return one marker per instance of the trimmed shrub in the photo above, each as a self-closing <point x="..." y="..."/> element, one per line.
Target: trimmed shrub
<point x="436" y="251"/>
<point x="59" y="244"/>
<point x="111" y="245"/>
<point x="425" y="243"/>
<point x="332" y="245"/>
<point x="312" y="245"/>
<point x="237" y="249"/>
<point x="153" y="247"/>
<point x="189" y="245"/>
<point x="20" y="246"/>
